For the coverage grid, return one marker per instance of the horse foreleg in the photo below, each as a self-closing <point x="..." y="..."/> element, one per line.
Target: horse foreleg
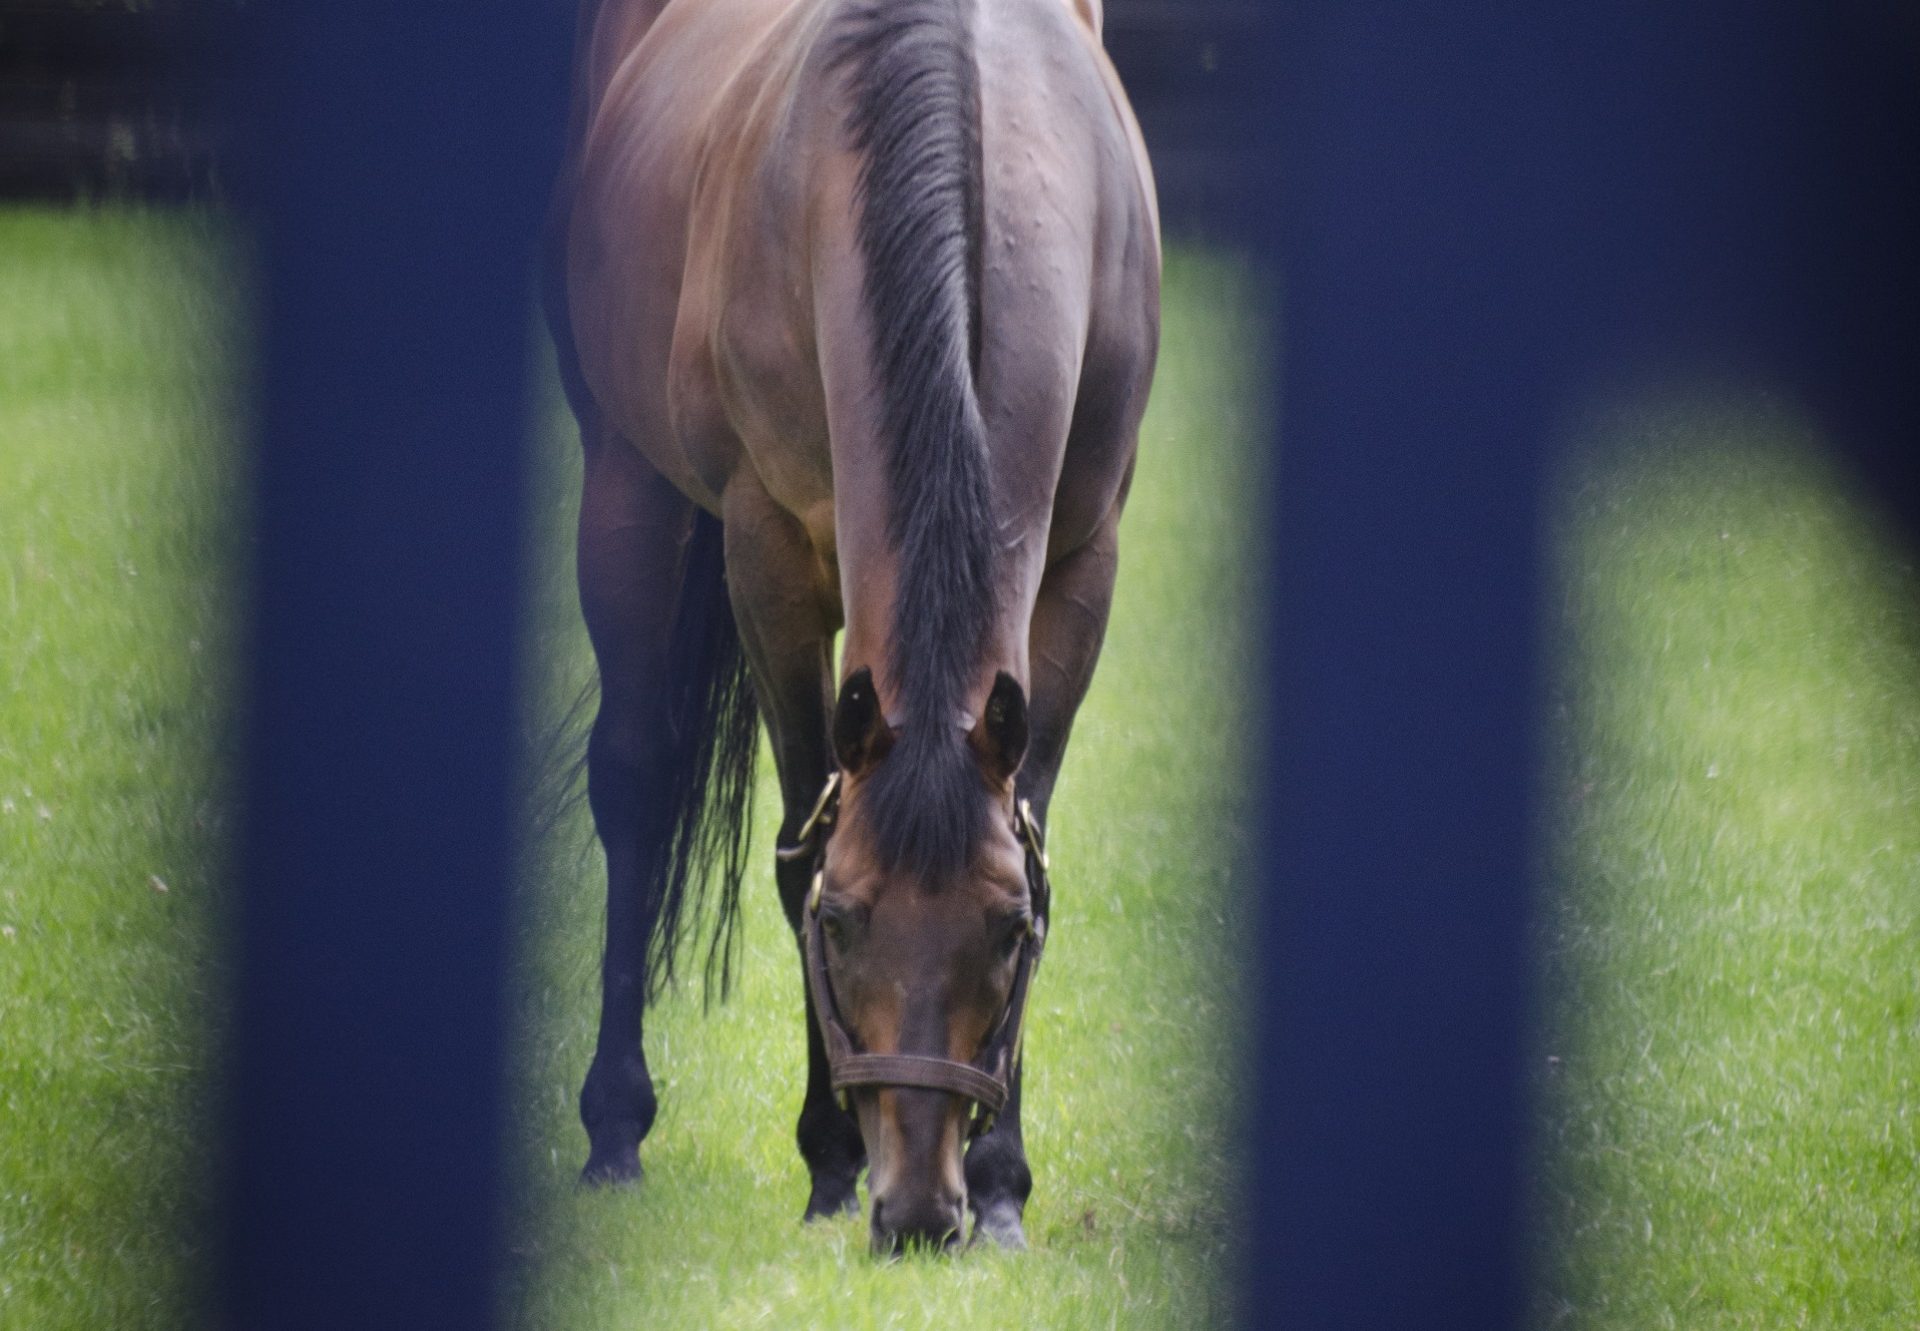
<point x="633" y="532"/>
<point x="1069" y="622"/>
<point x="787" y="630"/>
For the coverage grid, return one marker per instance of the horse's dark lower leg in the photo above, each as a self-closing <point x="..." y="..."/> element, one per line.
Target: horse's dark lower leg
<point x="1069" y="624"/>
<point x="998" y="1179"/>
<point x="788" y="638"/>
<point x="633" y="538"/>
<point x="828" y="1136"/>
<point x="617" y="1102"/>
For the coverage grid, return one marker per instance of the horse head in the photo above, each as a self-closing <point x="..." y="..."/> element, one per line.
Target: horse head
<point x="920" y="969"/>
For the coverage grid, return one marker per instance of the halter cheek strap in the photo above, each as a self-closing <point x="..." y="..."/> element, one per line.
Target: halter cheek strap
<point x="986" y="1080"/>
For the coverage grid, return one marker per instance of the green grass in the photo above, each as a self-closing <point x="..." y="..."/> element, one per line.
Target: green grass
<point x="1728" y="1065"/>
<point x="1731" y="1125"/>
<point x="1129" y="1043"/>
<point x="116" y="487"/>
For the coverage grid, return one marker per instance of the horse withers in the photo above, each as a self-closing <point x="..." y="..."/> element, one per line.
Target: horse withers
<point x="857" y="304"/>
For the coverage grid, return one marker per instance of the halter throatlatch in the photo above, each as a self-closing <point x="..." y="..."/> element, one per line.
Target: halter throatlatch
<point x="986" y="1080"/>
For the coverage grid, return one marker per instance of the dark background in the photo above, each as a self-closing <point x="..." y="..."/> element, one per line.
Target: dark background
<point x="110" y="99"/>
<point x="122" y="98"/>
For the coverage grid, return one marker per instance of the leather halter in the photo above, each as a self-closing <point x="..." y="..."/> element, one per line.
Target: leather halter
<point x="986" y="1080"/>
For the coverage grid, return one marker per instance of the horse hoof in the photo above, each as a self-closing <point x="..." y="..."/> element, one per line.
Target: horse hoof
<point x="616" y="1169"/>
<point x="1000" y="1225"/>
<point x="830" y="1203"/>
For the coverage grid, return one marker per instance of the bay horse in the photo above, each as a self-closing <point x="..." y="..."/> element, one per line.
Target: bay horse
<point x="857" y="305"/>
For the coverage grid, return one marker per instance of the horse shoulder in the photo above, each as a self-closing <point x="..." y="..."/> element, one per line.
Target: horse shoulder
<point x="651" y="272"/>
<point x="758" y="323"/>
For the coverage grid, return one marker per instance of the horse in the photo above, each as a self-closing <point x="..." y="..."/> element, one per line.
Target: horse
<point x="856" y="303"/>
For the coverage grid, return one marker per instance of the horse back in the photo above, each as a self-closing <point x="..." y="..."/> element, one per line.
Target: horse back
<point x="717" y="281"/>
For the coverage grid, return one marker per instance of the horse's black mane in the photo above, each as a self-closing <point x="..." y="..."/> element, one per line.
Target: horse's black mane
<point x="915" y="120"/>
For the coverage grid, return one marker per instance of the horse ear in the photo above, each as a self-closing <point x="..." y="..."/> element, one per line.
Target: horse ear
<point x="861" y="736"/>
<point x="999" y="739"/>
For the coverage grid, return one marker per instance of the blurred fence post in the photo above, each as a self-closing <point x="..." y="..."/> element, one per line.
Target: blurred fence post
<point x="1386" y="1108"/>
<point x="1479" y="213"/>
<point x="396" y="164"/>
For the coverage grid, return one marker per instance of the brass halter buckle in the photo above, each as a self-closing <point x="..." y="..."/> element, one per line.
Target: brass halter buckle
<point x="812" y="839"/>
<point x="1027" y="828"/>
<point x="987" y="1080"/>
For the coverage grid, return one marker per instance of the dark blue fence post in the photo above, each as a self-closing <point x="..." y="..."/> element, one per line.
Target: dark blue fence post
<point x="1386" y="1106"/>
<point x="398" y="158"/>
<point x="1481" y="212"/>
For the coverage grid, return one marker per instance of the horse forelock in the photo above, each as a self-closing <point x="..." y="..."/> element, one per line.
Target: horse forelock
<point x="914" y="120"/>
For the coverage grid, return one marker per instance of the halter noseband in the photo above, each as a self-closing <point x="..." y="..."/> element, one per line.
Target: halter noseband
<point x="984" y="1081"/>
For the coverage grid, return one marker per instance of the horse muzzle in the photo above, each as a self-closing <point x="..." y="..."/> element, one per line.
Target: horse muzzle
<point x="931" y="1220"/>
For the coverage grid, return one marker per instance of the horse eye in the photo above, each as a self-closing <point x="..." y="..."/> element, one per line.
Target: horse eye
<point x="839" y="924"/>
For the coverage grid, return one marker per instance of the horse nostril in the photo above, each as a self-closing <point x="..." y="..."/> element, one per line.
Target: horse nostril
<point x="934" y="1224"/>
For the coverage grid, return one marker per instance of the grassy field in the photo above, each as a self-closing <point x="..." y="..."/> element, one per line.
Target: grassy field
<point x="1728" y="1063"/>
<point x="117" y="460"/>
<point x="1731" y="1068"/>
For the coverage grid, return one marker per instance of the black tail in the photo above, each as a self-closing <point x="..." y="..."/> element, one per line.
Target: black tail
<point x="703" y="806"/>
<point x="915" y="119"/>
